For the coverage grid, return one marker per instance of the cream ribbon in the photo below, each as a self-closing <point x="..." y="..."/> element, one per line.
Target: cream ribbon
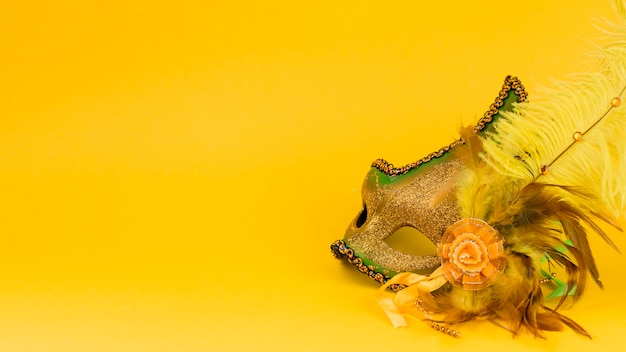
<point x="404" y="300"/>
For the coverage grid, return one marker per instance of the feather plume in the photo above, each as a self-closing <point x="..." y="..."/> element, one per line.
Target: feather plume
<point x="533" y="187"/>
<point x="540" y="135"/>
<point x="545" y="174"/>
<point x="542" y="177"/>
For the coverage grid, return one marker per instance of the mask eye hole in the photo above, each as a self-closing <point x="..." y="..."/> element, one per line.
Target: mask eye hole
<point x="411" y="241"/>
<point x="362" y="217"/>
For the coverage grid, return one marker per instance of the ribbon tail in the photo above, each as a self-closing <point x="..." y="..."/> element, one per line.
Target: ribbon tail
<point x="403" y="301"/>
<point x="389" y="307"/>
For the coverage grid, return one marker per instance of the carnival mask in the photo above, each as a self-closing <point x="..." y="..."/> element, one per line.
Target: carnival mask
<point x="415" y="196"/>
<point x="505" y="204"/>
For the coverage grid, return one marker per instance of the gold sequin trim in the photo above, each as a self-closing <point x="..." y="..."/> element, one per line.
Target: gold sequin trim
<point x="510" y="83"/>
<point x="342" y="251"/>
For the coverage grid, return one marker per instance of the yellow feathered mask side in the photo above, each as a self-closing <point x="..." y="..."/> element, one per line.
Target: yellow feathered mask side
<point x="532" y="189"/>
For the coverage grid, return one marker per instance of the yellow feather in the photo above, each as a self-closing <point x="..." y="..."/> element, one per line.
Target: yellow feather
<point x="541" y="133"/>
<point x="536" y="176"/>
<point x="536" y="181"/>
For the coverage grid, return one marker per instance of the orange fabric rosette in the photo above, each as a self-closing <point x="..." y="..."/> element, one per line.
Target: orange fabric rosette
<point x="472" y="254"/>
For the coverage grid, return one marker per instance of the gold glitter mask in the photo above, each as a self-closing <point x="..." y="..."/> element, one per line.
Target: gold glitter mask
<point x="414" y="196"/>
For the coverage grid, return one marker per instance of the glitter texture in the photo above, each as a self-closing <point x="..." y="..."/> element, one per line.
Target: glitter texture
<point x="395" y="197"/>
<point x="405" y="203"/>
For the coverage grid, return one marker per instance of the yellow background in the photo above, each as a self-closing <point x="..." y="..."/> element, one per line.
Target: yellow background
<point x="173" y="174"/>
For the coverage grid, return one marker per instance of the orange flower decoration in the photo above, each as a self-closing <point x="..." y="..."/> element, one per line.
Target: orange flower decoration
<point x="472" y="254"/>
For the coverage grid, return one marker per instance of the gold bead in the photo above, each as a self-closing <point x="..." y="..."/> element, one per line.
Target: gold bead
<point x="544" y="169"/>
<point x="615" y="102"/>
<point x="578" y="136"/>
